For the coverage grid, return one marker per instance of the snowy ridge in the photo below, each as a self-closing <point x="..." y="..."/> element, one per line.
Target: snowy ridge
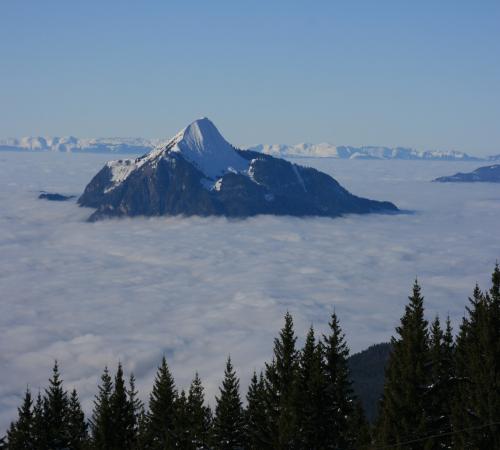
<point x="72" y="144"/>
<point x="326" y="150"/>
<point x="200" y="143"/>
<point x="203" y="145"/>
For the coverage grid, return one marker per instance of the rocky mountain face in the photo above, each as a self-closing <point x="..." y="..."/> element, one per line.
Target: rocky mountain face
<point x="199" y="173"/>
<point x="490" y="174"/>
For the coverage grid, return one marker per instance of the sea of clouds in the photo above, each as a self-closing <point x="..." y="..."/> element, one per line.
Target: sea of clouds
<point x="198" y="289"/>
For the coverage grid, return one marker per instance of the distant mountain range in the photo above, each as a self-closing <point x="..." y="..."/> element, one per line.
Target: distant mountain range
<point x="139" y="146"/>
<point x="326" y="150"/>
<point x="72" y="144"/>
<point x="198" y="172"/>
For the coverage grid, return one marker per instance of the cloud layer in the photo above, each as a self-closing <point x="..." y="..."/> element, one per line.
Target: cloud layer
<point x="198" y="289"/>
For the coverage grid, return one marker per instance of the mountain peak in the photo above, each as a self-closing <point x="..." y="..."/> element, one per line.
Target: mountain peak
<point x="202" y="144"/>
<point x="199" y="173"/>
<point x="202" y="135"/>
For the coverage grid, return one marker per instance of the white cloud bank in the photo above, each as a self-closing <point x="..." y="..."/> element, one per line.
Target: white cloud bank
<point x="197" y="289"/>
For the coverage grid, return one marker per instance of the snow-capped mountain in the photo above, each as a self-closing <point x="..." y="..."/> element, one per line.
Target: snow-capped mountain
<point x="326" y="150"/>
<point x="487" y="174"/>
<point x="199" y="173"/>
<point x="139" y="146"/>
<point x="72" y="144"/>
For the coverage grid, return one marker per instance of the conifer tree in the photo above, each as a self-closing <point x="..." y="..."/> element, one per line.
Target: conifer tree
<point x="281" y="388"/>
<point x="228" y="429"/>
<point x="359" y="428"/>
<point x="137" y="413"/>
<point x="256" y="432"/>
<point x="102" y="416"/>
<point x="20" y="434"/>
<point x="403" y="414"/>
<point x="162" y="406"/>
<point x="477" y="368"/>
<point x="55" y="413"/>
<point x="311" y="407"/>
<point x="39" y="423"/>
<point x="493" y="410"/>
<point x="77" y="427"/>
<point x="440" y="393"/>
<point x="199" y="415"/>
<point x="142" y="430"/>
<point x="339" y="395"/>
<point x="122" y="414"/>
<point x="182" y="435"/>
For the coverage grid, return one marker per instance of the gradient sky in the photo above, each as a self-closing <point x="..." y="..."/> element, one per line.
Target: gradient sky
<point x="415" y="73"/>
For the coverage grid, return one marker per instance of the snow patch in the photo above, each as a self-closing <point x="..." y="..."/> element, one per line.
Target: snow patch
<point x="202" y="145"/>
<point x="120" y="170"/>
<point x="218" y="185"/>
<point x="299" y="177"/>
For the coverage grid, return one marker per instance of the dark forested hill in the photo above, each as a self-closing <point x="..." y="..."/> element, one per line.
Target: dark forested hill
<point x="367" y="374"/>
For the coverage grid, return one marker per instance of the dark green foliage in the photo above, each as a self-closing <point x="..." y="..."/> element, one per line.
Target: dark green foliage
<point x="102" y="416"/>
<point x="441" y="380"/>
<point x="359" y="428"/>
<point x="339" y="395"/>
<point x="256" y="436"/>
<point x="403" y="415"/>
<point x="55" y="413"/>
<point x="281" y="389"/>
<point x="162" y="406"/>
<point x="77" y="427"/>
<point x="228" y="430"/>
<point x="478" y="371"/>
<point x="122" y="414"/>
<point x="367" y="369"/>
<point x="199" y="415"/>
<point x="312" y="396"/>
<point x="20" y="434"/>
<point x="137" y="413"/>
<point x="182" y="438"/>
<point x="39" y="423"/>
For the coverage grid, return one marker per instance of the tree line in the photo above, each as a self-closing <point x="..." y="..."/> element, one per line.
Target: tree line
<point x="441" y="392"/>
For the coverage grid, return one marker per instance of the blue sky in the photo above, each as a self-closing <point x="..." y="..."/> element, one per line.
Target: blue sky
<point x="423" y="74"/>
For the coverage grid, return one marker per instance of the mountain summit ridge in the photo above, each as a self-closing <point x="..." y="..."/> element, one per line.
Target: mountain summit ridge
<point x="202" y="144"/>
<point x="198" y="172"/>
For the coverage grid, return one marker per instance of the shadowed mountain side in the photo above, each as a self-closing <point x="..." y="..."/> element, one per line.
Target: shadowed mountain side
<point x="486" y="174"/>
<point x="368" y="374"/>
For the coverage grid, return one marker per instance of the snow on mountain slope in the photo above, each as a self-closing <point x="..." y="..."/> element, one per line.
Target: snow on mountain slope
<point x="200" y="143"/>
<point x="326" y="150"/>
<point x="203" y="145"/>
